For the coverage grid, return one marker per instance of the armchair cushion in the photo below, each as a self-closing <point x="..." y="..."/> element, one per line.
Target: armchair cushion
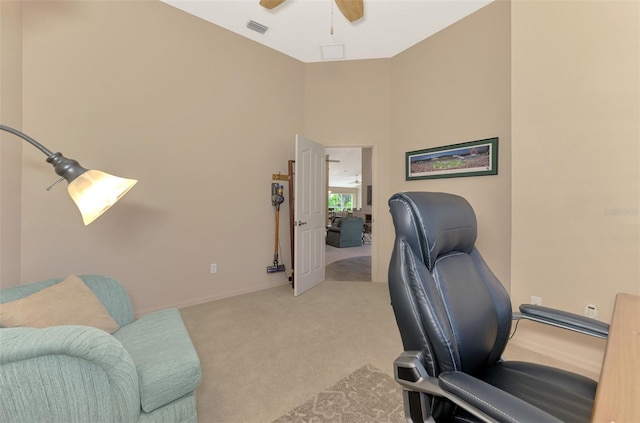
<point x="78" y="374"/>
<point x="109" y="291"/>
<point x="69" y="302"/>
<point x="167" y="364"/>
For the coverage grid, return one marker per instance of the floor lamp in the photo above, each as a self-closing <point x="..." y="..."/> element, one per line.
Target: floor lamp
<point x="93" y="191"/>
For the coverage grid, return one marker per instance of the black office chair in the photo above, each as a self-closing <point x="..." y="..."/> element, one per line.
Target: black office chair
<point x="455" y="317"/>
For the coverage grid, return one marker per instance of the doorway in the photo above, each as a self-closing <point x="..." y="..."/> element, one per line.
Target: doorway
<point x="349" y="195"/>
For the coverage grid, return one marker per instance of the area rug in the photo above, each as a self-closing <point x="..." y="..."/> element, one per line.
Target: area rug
<point x="365" y="396"/>
<point x="350" y="269"/>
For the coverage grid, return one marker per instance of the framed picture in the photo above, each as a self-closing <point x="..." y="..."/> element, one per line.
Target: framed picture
<point x="473" y="158"/>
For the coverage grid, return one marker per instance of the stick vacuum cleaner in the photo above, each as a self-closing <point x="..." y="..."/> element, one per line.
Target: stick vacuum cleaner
<point x="277" y="198"/>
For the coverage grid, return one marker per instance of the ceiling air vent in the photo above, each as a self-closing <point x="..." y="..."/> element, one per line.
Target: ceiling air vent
<point x="257" y="27"/>
<point x="332" y="51"/>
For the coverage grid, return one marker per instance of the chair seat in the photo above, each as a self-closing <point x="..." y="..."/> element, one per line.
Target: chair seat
<point x="567" y="396"/>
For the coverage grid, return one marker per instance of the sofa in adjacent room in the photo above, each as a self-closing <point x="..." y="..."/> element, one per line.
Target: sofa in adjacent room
<point x="71" y="351"/>
<point x="345" y="232"/>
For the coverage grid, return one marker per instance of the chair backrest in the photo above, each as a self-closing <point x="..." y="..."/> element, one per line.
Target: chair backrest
<point x="447" y="302"/>
<point x="353" y="225"/>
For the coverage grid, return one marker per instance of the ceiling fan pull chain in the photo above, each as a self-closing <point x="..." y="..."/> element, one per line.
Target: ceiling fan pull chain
<point x="331" y="17"/>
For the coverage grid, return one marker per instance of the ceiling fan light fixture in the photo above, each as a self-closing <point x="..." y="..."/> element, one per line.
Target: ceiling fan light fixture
<point x="257" y="27"/>
<point x="332" y="51"/>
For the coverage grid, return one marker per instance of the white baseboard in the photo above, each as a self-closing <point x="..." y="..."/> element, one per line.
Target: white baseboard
<point x="222" y="296"/>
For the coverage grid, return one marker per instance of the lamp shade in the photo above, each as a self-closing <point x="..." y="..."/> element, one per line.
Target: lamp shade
<point x="95" y="191"/>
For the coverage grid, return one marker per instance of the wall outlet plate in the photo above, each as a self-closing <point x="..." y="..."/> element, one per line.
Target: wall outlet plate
<point x="591" y="311"/>
<point x="536" y="300"/>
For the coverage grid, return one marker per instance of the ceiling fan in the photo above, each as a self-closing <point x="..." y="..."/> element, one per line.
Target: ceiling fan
<point x="356" y="182"/>
<point x="351" y="9"/>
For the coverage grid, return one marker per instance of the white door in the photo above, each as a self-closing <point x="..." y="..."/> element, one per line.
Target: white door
<point x="310" y="196"/>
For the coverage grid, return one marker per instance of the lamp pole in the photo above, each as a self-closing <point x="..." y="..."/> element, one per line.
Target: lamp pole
<point x="69" y="169"/>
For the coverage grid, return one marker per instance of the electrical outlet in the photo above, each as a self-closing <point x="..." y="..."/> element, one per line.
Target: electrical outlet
<point x="214" y="268"/>
<point x="591" y="311"/>
<point x="536" y="300"/>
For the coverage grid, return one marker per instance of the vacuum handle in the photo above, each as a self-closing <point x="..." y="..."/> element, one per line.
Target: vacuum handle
<point x="277" y="192"/>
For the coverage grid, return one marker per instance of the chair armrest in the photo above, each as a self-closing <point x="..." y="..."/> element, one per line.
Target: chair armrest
<point x="563" y="319"/>
<point x="492" y="401"/>
<point x="167" y="363"/>
<point x="66" y="373"/>
<point x="479" y="398"/>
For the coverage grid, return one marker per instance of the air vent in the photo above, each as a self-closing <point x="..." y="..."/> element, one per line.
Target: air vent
<point x="332" y="51"/>
<point x="257" y="27"/>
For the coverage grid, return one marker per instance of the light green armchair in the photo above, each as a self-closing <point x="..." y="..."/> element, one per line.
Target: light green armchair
<point x="346" y="232"/>
<point x="146" y="371"/>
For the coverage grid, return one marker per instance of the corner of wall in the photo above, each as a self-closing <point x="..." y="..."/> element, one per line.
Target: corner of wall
<point x="10" y="151"/>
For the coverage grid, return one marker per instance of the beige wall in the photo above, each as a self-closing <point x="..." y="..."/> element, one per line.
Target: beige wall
<point x="349" y="104"/>
<point x="200" y="116"/>
<point x="415" y="101"/>
<point x="576" y="148"/>
<point x="452" y="88"/>
<point x="143" y="78"/>
<point x="194" y="112"/>
<point x="10" y="146"/>
<point x="576" y="138"/>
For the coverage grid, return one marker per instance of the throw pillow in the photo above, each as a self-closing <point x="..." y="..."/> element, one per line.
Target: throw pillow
<point x="70" y="302"/>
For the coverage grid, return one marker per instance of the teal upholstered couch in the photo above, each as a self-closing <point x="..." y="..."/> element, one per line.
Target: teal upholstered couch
<point x="146" y="371"/>
<point x="345" y="232"/>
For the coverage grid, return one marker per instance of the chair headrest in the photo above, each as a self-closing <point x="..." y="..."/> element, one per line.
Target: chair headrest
<point x="434" y="223"/>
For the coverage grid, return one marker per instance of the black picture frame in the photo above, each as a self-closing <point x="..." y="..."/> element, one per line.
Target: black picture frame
<point x="474" y="158"/>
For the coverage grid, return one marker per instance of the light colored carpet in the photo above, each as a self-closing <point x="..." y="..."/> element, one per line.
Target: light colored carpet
<point x="349" y="269"/>
<point x="366" y="395"/>
<point x="332" y="253"/>
<point x="265" y="353"/>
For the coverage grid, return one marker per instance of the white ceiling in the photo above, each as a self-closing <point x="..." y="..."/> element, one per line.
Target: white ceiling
<point x="298" y="28"/>
<point x="345" y="164"/>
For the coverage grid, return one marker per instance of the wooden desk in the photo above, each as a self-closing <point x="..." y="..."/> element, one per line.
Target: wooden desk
<point x="618" y="394"/>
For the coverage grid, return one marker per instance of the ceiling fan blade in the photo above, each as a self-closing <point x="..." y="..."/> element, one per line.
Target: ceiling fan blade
<point x="270" y="4"/>
<point x="351" y="9"/>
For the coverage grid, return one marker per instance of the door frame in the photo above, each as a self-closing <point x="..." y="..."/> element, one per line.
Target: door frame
<point x="374" y="248"/>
